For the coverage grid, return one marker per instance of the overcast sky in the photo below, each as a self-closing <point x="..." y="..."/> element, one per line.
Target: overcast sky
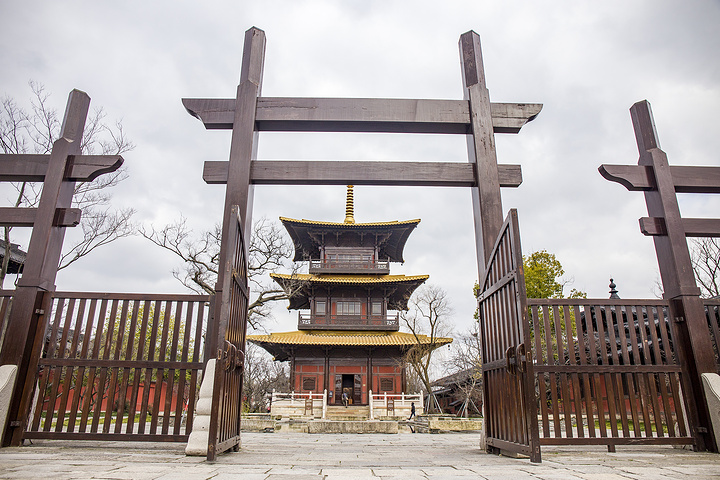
<point x="587" y="62"/>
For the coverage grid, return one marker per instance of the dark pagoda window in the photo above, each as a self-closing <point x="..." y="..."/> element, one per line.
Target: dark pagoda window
<point x="308" y="383"/>
<point x="386" y="384"/>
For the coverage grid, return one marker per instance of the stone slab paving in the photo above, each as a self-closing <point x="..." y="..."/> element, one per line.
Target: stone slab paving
<point x="273" y="456"/>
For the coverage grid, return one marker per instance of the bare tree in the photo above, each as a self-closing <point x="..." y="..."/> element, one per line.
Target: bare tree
<point x="428" y="315"/>
<point x="269" y="250"/>
<point x="34" y="131"/>
<point x="465" y="365"/>
<point x="262" y="375"/>
<point x="705" y="254"/>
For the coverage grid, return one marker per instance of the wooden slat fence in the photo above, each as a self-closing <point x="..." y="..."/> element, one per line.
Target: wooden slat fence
<point x="606" y="373"/>
<point x="712" y="312"/>
<point x="119" y="367"/>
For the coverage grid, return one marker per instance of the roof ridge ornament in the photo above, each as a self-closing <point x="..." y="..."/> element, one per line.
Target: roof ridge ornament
<point x="349" y="206"/>
<point x="613" y="292"/>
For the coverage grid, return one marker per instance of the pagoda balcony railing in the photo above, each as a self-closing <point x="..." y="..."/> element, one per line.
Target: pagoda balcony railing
<point x="309" y="321"/>
<point x="377" y="267"/>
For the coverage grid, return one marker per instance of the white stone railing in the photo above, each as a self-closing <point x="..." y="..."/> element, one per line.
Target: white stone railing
<point x="401" y="402"/>
<point x="295" y="403"/>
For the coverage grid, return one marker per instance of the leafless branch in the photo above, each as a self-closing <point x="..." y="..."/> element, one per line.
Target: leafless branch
<point x="34" y="131"/>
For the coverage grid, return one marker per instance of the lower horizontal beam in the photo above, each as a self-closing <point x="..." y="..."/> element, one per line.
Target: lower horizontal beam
<point x="25" y="217"/>
<point x="424" y="174"/>
<point x="694" y="227"/>
<point x="107" y="437"/>
<point x="616" y="441"/>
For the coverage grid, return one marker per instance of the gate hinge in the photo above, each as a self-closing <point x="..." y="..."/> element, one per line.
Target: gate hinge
<point x="702" y="429"/>
<point x="15" y="423"/>
<point x="39" y="311"/>
<point x="679" y="319"/>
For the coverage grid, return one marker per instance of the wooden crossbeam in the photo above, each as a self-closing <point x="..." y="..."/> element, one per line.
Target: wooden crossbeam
<point x="434" y="174"/>
<point x="361" y="115"/>
<point x="686" y="179"/>
<point x="25" y="217"/>
<point x="694" y="227"/>
<point x="32" y="168"/>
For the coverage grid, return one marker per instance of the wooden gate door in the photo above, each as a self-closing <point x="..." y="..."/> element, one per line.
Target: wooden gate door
<point x="231" y="315"/>
<point x="510" y="410"/>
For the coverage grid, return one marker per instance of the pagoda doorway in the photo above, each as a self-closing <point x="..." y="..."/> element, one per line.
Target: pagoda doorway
<point x="350" y="385"/>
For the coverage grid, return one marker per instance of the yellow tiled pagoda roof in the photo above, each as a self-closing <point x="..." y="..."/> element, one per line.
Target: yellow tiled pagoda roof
<point x="351" y="225"/>
<point x="346" y="338"/>
<point x="350" y="279"/>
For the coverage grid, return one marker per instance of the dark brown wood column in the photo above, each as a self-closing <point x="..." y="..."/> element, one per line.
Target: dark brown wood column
<point x="486" y="199"/>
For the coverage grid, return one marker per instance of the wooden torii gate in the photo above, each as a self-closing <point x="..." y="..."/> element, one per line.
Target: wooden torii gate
<point x="660" y="182"/>
<point x="249" y="113"/>
<point x="59" y="171"/>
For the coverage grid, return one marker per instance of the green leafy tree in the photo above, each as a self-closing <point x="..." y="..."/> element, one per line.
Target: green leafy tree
<point x="543" y="277"/>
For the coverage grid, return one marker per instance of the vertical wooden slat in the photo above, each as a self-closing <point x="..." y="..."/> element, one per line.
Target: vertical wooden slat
<point x="678" y="405"/>
<point x="540" y="359"/>
<point x="137" y="355"/>
<point x="103" y="384"/>
<point x="51" y="343"/>
<point x="614" y="317"/>
<point x="586" y="388"/>
<point x="601" y="317"/>
<point x="147" y="353"/>
<point x="563" y="345"/>
<point x="625" y="354"/>
<point x="96" y="341"/>
<point x="657" y="353"/>
<point x="153" y="355"/>
<point x="161" y="371"/>
<point x="574" y="377"/>
<point x="69" y="384"/>
<point x="171" y="372"/>
<point x="80" y="389"/>
<point x="57" y="374"/>
<point x="549" y="323"/>
<point x="593" y="313"/>
<point x="123" y="380"/>
<point x="116" y="341"/>
<point x="194" y="377"/>
<point x="181" y="381"/>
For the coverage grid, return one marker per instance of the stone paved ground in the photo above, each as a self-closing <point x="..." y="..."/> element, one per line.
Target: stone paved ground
<point x="275" y="456"/>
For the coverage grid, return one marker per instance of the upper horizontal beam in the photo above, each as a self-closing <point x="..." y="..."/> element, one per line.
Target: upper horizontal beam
<point x="32" y="168"/>
<point x="361" y="115"/>
<point x="435" y="174"/>
<point x="686" y="179"/>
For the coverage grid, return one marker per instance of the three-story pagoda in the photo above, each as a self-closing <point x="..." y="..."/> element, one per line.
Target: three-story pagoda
<point x="348" y="339"/>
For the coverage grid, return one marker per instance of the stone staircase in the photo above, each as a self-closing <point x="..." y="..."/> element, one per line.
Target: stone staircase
<point x="349" y="413"/>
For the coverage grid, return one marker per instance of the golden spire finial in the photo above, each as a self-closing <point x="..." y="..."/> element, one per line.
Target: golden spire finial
<point x="349" y="206"/>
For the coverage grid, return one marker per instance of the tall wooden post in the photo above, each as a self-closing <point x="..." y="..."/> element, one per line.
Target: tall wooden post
<point x="232" y="290"/>
<point x="486" y="199"/>
<point x="26" y="326"/>
<point x="680" y="289"/>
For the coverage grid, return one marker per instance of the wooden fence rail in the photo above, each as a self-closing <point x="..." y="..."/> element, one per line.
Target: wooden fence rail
<point x="119" y="367"/>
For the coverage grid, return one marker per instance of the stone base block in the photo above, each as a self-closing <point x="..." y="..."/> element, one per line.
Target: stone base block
<point x="7" y="383"/>
<point x="329" y="426"/>
<point x="711" y="384"/>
